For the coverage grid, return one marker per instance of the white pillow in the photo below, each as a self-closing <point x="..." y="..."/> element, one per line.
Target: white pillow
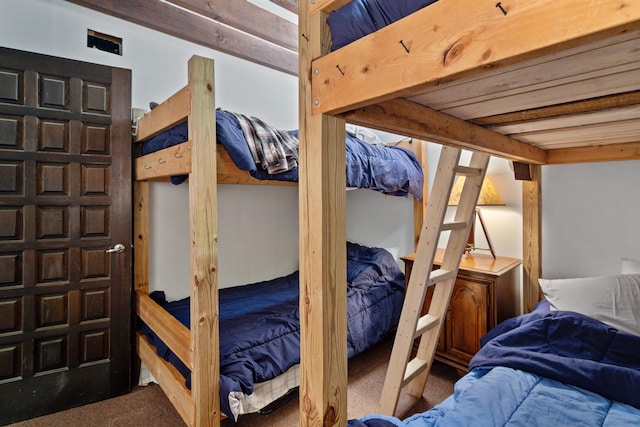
<point x="630" y="266"/>
<point x="614" y="300"/>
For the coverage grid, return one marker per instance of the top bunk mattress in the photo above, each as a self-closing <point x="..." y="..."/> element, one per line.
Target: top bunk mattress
<point x="390" y="170"/>
<point x="361" y="17"/>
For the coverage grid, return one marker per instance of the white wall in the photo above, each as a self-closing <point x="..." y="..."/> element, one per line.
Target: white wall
<point x="591" y="218"/>
<point x="374" y="219"/>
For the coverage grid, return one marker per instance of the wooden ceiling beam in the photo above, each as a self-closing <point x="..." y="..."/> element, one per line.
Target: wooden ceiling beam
<point x="186" y="25"/>
<point x="247" y="17"/>
<point x="609" y="152"/>
<point x="566" y="109"/>
<point x="408" y="118"/>
<point x="290" y="5"/>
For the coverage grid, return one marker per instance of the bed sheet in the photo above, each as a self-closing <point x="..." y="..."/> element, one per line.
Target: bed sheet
<point x="390" y="170"/>
<point x="541" y="369"/>
<point x="260" y="327"/>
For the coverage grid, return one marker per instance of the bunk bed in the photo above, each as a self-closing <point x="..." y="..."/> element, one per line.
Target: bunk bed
<point x="180" y="342"/>
<point x="536" y="82"/>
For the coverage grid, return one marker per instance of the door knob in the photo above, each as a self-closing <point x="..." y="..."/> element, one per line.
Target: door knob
<point x="117" y="249"/>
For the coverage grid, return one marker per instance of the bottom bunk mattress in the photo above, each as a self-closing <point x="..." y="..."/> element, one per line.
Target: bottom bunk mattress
<point x="546" y="368"/>
<point x="260" y="323"/>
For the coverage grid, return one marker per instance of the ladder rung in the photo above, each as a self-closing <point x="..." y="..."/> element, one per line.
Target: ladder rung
<point x="454" y="225"/>
<point x="425" y="323"/>
<point x="468" y="171"/>
<point x="414" y="367"/>
<point x="439" y="275"/>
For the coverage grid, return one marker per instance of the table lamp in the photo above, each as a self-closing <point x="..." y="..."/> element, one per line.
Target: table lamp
<point x="488" y="197"/>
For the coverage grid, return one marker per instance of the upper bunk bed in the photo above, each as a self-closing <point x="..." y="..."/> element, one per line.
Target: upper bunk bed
<point x="247" y="147"/>
<point x="553" y="86"/>
<point x="536" y="82"/>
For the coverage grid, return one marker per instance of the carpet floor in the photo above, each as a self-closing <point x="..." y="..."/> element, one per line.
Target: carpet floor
<point x="148" y="406"/>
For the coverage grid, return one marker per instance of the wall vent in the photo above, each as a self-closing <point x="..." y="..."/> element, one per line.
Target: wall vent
<point x="104" y="42"/>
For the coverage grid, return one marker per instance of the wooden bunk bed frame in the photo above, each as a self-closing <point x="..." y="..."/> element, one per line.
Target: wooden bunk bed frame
<point x="536" y="81"/>
<point x="207" y="164"/>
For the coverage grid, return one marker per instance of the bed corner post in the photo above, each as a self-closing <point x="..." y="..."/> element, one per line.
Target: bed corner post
<point x="141" y="236"/>
<point x="420" y="206"/>
<point x="203" y="225"/>
<point x="531" y="235"/>
<point x="322" y="246"/>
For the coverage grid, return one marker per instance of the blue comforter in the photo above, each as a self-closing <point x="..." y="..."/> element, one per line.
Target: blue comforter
<point x="260" y="325"/>
<point x="390" y="170"/>
<point x="546" y="369"/>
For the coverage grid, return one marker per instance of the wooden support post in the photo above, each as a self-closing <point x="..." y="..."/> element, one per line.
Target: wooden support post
<point x="323" y="322"/>
<point x="141" y="237"/>
<point x="204" y="245"/>
<point x="531" y="235"/>
<point x="420" y="206"/>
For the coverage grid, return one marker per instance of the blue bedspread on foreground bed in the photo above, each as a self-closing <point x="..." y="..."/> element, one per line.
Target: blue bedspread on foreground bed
<point x="260" y="325"/>
<point x="389" y="170"/>
<point x="546" y="369"/>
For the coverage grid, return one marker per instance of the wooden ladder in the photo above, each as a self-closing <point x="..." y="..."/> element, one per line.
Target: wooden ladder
<point x="401" y="370"/>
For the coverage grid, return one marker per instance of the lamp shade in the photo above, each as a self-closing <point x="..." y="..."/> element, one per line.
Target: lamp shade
<point x="488" y="194"/>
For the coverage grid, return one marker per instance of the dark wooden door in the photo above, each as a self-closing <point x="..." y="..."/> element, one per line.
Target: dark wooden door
<point x="65" y="199"/>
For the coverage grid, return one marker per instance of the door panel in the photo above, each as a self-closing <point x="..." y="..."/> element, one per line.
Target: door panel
<point x="65" y="198"/>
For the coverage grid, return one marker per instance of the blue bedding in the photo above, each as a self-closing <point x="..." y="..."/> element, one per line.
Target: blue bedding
<point x="260" y="328"/>
<point x="390" y="170"/>
<point x="546" y="368"/>
<point x="361" y="17"/>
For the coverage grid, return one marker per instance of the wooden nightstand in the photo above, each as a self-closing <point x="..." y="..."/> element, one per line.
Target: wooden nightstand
<point x="483" y="296"/>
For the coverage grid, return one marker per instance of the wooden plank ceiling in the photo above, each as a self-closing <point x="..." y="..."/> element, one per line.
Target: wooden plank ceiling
<point x="235" y="27"/>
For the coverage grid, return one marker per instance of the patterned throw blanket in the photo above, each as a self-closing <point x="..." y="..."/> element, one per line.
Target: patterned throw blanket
<point x="272" y="149"/>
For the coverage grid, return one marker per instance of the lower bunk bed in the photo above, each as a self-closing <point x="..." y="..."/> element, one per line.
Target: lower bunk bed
<point x="560" y="365"/>
<point x="260" y="328"/>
